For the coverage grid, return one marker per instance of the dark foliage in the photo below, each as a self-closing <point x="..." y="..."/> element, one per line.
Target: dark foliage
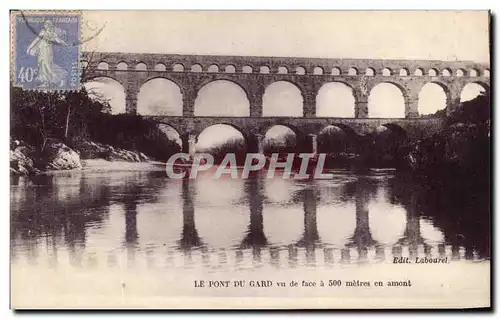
<point x="39" y="117"/>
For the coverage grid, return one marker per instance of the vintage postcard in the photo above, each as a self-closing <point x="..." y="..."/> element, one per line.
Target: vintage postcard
<point x="250" y="159"/>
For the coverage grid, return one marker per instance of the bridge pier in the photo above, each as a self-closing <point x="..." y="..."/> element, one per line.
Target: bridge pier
<point x="189" y="144"/>
<point x="361" y="108"/>
<point x="311" y="143"/>
<point x="131" y="101"/>
<point x="411" y="108"/>
<point x="255" y="143"/>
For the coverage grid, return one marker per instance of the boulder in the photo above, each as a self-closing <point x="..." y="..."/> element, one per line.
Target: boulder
<point x="20" y="162"/>
<point x="61" y="157"/>
<point x="90" y="150"/>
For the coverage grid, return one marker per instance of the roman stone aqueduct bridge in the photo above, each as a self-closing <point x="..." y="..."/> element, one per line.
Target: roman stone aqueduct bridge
<point x="255" y="74"/>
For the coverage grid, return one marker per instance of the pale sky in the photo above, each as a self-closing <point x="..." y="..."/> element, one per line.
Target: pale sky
<point x="441" y="35"/>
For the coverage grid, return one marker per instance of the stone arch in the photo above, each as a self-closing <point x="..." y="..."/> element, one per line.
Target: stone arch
<point x="277" y="138"/>
<point x="472" y="89"/>
<point x="486" y="73"/>
<point x="335" y="99"/>
<point x="473" y="73"/>
<point x="334" y="138"/>
<point x="419" y="72"/>
<point x="404" y="72"/>
<point x="352" y="71"/>
<point x="386" y="72"/>
<point x="432" y="97"/>
<point x="221" y="138"/>
<point x="318" y="70"/>
<point x="370" y="72"/>
<point x="282" y="96"/>
<point x="247" y="69"/>
<point x="107" y="90"/>
<point x="213" y="68"/>
<point x="336" y="71"/>
<point x="300" y="70"/>
<point x="386" y="149"/>
<point x="387" y="100"/>
<point x="264" y="69"/>
<point x="159" y="96"/>
<point x="141" y="66"/>
<point x="282" y="70"/>
<point x="178" y="67"/>
<point x="267" y="127"/>
<point x="222" y="97"/>
<point x="196" y="68"/>
<point x="460" y="72"/>
<point x="446" y="72"/>
<point x="160" y="67"/>
<point x="233" y="127"/>
<point x="103" y="65"/>
<point x="122" y="66"/>
<point x="433" y="72"/>
<point x="230" y="69"/>
<point x="171" y="132"/>
<point x="396" y="128"/>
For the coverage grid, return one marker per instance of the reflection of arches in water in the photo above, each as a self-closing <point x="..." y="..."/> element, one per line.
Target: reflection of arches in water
<point x="222" y="226"/>
<point x="161" y="221"/>
<point x="113" y="225"/>
<point x="276" y="216"/>
<point x="387" y="221"/>
<point x="430" y="233"/>
<point x="336" y="223"/>
<point x="310" y="202"/>
<point x="189" y="237"/>
<point x="279" y="190"/>
<point x="255" y="237"/>
<point x="221" y="219"/>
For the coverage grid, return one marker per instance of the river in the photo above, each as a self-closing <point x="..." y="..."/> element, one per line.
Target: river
<point x="81" y="235"/>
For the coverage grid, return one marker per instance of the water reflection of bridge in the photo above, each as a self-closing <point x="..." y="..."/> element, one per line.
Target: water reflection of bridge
<point x="255" y="249"/>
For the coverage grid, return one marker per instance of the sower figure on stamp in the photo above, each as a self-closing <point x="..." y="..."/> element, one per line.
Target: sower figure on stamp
<point x="49" y="73"/>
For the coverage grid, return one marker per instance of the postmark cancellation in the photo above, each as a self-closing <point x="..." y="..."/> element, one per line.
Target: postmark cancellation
<point x="45" y="50"/>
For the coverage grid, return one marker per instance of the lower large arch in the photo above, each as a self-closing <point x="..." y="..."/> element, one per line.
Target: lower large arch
<point x="335" y="99"/>
<point x="221" y="139"/>
<point x="281" y="139"/>
<point x="388" y="146"/>
<point x="472" y="90"/>
<point x="222" y="98"/>
<point x="282" y="98"/>
<point x="386" y="100"/>
<point x="432" y="98"/>
<point x="159" y="96"/>
<point x="332" y="139"/>
<point x="107" y="91"/>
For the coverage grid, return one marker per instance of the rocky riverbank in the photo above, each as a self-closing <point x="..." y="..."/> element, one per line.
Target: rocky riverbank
<point x="86" y="155"/>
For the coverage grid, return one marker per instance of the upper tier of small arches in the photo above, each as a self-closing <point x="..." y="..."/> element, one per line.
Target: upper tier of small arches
<point x="294" y="69"/>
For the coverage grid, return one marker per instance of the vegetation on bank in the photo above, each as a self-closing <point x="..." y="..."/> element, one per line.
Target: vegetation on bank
<point x="41" y="119"/>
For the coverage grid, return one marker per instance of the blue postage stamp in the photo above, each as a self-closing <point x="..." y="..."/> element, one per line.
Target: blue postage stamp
<point x="46" y="50"/>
